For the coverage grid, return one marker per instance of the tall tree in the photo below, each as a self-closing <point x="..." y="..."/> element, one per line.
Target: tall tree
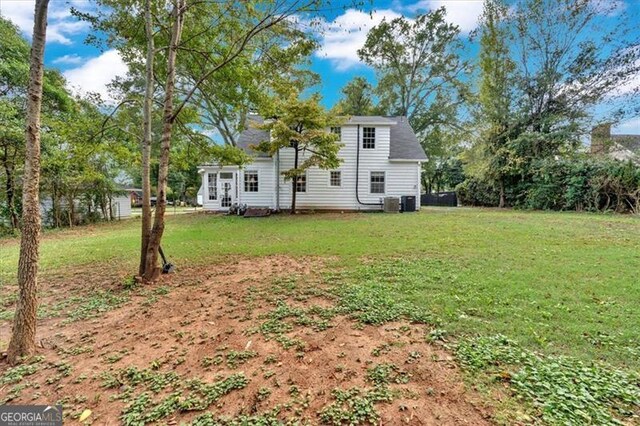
<point x="14" y="76"/>
<point x="147" y="135"/>
<point x="214" y="36"/>
<point x="357" y="98"/>
<point x="151" y="271"/>
<point x="303" y="126"/>
<point x="569" y="58"/>
<point x="495" y="97"/>
<point x="421" y="76"/>
<point x="23" y="338"/>
<point x="415" y="61"/>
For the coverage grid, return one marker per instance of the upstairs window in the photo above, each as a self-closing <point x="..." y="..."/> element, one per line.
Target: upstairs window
<point x="335" y="178"/>
<point x="369" y="138"/>
<point x="301" y="183"/>
<point x="212" y="180"/>
<point x="251" y="181"/>
<point x="337" y="131"/>
<point x="377" y="182"/>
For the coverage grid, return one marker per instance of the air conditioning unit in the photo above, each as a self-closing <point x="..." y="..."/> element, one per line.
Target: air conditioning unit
<point x="408" y="203"/>
<point x="391" y="205"/>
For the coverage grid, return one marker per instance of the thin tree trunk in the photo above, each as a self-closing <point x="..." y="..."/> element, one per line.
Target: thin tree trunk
<point x="146" y="140"/>
<point x="23" y="337"/>
<point x="151" y="271"/>
<point x="502" y="203"/>
<point x="295" y="181"/>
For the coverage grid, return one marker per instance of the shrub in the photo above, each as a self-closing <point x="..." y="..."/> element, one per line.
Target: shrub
<point x="475" y="192"/>
<point x="577" y="183"/>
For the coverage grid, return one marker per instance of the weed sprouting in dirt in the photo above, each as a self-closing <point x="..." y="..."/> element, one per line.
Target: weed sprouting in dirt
<point x="386" y="374"/>
<point x="139" y="387"/>
<point x="355" y="406"/>
<point x="234" y="358"/>
<point x="95" y="305"/>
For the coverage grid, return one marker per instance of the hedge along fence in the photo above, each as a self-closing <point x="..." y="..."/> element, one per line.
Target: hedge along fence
<point x="580" y="184"/>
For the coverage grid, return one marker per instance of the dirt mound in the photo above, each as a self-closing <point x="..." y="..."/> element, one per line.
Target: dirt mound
<point x="246" y="337"/>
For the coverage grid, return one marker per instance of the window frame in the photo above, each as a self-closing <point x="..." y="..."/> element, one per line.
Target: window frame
<point x="245" y="183"/>
<point x="331" y="180"/>
<point x="384" y="182"/>
<point x="215" y="187"/>
<point x="336" y="130"/>
<point x="303" y="177"/>
<point x="368" y="141"/>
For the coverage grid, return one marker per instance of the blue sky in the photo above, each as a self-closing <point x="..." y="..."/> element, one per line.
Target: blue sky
<point x="89" y="69"/>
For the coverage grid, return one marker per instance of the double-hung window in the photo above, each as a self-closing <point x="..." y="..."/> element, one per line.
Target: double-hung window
<point x="335" y="178"/>
<point x="369" y="138"/>
<point x="337" y="131"/>
<point x="251" y="181"/>
<point x="301" y="183"/>
<point x="212" y="180"/>
<point x="377" y="180"/>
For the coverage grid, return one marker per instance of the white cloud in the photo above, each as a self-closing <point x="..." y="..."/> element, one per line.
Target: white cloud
<point x="342" y="38"/>
<point x="631" y="127"/>
<point x="464" y="13"/>
<point x="72" y="59"/>
<point x="96" y="73"/>
<point x="62" y="26"/>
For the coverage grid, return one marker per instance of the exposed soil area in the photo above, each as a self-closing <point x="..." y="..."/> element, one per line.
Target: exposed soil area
<point x="260" y="337"/>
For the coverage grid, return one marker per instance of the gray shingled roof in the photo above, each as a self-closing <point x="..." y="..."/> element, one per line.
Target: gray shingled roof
<point x="404" y="143"/>
<point x="253" y="136"/>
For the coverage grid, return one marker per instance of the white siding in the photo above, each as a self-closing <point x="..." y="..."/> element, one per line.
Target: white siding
<point x="121" y="207"/>
<point x="401" y="178"/>
<point x="208" y="204"/>
<point x="265" y="197"/>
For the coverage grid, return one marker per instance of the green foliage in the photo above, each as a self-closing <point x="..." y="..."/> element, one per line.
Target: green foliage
<point x="355" y="406"/>
<point x="239" y="357"/>
<point x="303" y="125"/>
<point x="95" y="305"/>
<point x="365" y="294"/>
<point x="561" y="390"/>
<point x="546" y="67"/>
<point x="477" y="192"/>
<point x="589" y="184"/>
<point x="357" y="98"/>
<point x="386" y="374"/>
<point x="16" y="374"/>
<point x="185" y="395"/>
<point x="422" y="76"/>
<point x="269" y="418"/>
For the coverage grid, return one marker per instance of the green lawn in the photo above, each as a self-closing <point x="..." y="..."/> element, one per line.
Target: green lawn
<point x="556" y="282"/>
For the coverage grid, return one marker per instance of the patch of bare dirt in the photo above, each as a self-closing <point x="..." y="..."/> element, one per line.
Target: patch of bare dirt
<point x="211" y="315"/>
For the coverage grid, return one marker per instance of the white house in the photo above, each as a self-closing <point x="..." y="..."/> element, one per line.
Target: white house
<point x="618" y="147"/>
<point x="381" y="157"/>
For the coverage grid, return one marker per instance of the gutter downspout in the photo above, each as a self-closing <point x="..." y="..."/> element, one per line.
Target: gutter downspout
<point x="358" y="172"/>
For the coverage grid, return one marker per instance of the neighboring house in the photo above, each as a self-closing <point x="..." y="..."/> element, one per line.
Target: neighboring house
<point x="619" y="147"/>
<point x="120" y="208"/>
<point x="135" y="196"/>
<point x="381" y="158"/>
